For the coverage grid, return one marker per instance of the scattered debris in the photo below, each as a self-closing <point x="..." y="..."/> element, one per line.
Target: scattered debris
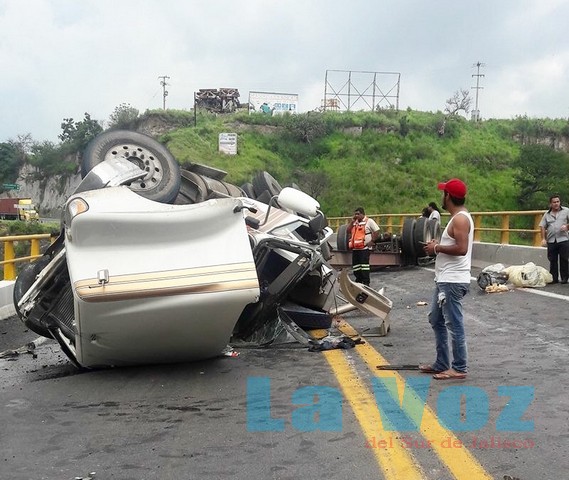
<point x="494" y="288"/>
<point x="422" y="304"/>
<point x="229" y="352"/>
<point x="90" y="476"/>
<point x="331" y="342"/>
<point x="28" y="348"/>
<point x="398" y="367"/>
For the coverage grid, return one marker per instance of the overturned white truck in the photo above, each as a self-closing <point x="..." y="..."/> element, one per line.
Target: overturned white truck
<point x="156" y="264"/>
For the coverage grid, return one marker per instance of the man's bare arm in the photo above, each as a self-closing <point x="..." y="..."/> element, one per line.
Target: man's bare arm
<point x="459" y="230"/>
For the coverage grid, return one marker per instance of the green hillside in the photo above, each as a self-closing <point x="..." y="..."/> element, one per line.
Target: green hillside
<point x="387" y="161"/>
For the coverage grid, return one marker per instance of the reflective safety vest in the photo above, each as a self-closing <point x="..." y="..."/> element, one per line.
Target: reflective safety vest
<point x="358" y="237"/>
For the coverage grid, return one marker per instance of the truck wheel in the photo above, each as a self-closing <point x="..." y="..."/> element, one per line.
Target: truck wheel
<point x="422" y="233"/>
<point x="435" y="229"/>
<point x="408" y="242"/>
<point x="265" y="181"/>
<point x="162" y="180"/>
<point x="342" y="238"/>
<point x="234" y="190"/>
<point x="24" y="281"/>
<point x="248" y="189"/>
<point x="192" y="189"/>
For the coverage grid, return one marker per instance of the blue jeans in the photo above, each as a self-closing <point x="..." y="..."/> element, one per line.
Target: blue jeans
<point x="446" y="317"/>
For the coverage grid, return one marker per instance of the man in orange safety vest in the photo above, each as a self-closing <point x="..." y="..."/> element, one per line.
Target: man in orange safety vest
<point x="362" y="232"/>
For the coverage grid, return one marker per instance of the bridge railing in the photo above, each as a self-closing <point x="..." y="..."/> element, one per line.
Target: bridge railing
<point x="11" y="259"/>
<point x="507" y="227"/>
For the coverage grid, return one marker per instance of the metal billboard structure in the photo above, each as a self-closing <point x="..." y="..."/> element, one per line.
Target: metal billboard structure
<point x="348" y="90"/>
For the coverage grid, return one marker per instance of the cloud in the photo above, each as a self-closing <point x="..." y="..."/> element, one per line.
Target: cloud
<point x="63" y="58"/>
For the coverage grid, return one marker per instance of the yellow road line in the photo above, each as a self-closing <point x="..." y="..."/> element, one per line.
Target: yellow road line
<point x="458" y="460"/>
<point x="396" y="462"/>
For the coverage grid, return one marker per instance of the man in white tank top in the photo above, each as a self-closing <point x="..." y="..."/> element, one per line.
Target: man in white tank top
<point x="452" y="279"/>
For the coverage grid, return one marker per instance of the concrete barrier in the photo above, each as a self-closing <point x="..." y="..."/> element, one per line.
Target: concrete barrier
<point x="484" y="254"/>
<point x="6" y="303"/>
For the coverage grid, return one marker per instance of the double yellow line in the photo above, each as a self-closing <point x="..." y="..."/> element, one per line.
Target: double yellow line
<point x="396" y="461"/>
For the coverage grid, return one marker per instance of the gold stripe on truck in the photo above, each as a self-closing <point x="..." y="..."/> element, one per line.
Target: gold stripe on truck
<point x="216" y="278"/>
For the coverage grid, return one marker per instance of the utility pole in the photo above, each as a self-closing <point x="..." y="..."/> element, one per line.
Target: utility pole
<point x="164" y="91"/>
<point x="476" y="112"/>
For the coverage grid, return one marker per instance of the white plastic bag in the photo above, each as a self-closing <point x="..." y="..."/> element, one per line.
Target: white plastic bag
<point x="528" y="275"/>
<point x="495" y="268"/>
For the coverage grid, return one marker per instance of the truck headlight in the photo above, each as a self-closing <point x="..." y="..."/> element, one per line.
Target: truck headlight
<point x="75" y="207"/>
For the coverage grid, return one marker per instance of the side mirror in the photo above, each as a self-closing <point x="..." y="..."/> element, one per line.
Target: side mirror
<point x="318" y="223"/>
<point x="298" y="201"/>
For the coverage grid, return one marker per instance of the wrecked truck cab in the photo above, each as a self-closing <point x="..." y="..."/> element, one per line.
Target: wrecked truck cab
<point x="132" y="280"/>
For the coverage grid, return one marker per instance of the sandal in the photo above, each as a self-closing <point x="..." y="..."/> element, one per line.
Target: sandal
<point x="426" y="368"/>
<point x="450" y="375"/>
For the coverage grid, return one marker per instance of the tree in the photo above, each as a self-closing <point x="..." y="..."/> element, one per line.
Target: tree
<point x="305" y="127"/>
<point x="460" y="100"/>
<point x="49" y="159"/>
<point x="76" y="135"/>
<point x="314" y="183"/>
<point x="123" y="116"/>
<point x="23" y="145"/>
<point x="9" y="163"/>
<point x="540" y="175"/>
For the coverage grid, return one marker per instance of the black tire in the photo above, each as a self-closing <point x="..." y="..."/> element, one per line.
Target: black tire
<point x="421" y="235"/>
<point x="408" y="242"/>
<point x="189" y="192"/>
<point x="265" y="197"/>
<point x="248" y="189"/>
<point x="265" y="181"/>
<point x="207" y="171"/>
<point x="24" y="281"/>
<point x="215" y="188"/>
<point x="234" y="190"/>
<point x="162" y="180"/>
<point x="435" y="229"/>
<point x="342" y="238"/>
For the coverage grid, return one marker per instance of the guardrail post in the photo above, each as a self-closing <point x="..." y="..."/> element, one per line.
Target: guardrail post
<point x="35" y="248"/>
<point x="9" y="268"/>
<point x="389" y="226"/>
<point x="505" y="235"/>
<point x="477" y="225"/>
<point x="537" y="234"/>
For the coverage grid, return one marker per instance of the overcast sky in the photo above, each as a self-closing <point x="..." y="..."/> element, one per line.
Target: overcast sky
<point x="62" y="58"/>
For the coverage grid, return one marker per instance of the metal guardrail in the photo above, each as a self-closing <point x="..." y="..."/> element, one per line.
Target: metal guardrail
<point x="492" y="227"/>
<point x="486" y="224"/>
<point x="10" y="259"/>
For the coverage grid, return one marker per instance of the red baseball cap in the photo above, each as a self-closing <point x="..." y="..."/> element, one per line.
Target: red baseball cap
<point x="455" y="187"/>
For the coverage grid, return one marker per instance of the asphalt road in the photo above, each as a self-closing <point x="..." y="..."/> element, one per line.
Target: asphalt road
<point x="287" y="413"/>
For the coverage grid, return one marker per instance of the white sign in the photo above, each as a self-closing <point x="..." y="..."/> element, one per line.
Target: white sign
<point x="228" y="143"/>
<point x="271" y="103"/>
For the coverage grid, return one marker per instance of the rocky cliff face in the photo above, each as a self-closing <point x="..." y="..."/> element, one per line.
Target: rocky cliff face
<point x="48" y="194"/>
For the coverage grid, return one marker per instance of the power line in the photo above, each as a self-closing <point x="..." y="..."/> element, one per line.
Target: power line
<point x="164" y="91"/>
<point x="476" y="113"/>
